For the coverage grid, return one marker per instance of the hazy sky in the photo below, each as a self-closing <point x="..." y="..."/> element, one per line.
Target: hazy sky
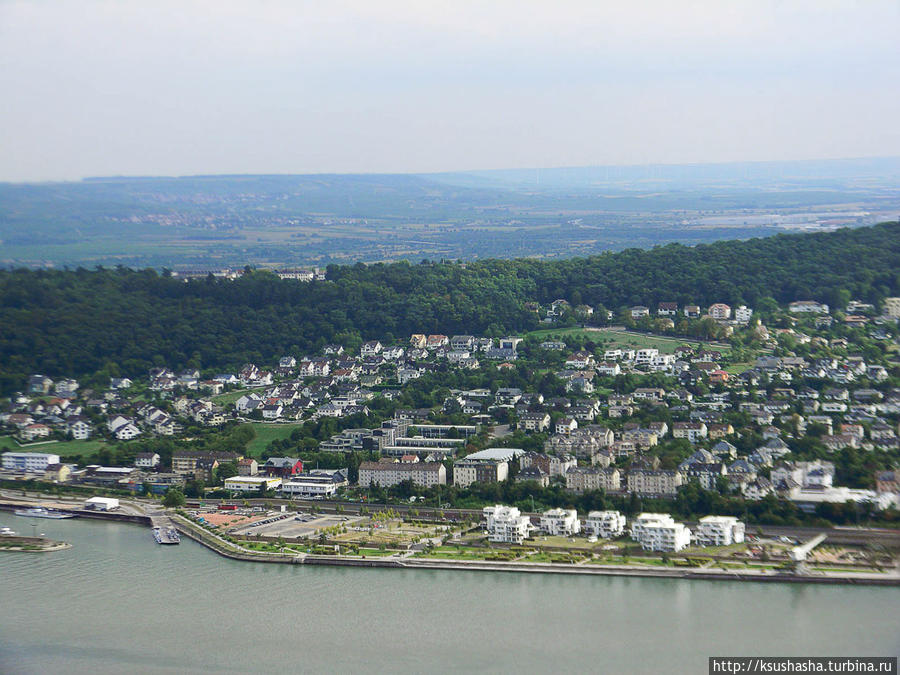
<point x="180" y="87"/>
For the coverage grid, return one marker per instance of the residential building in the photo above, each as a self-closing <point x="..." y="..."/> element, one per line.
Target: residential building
<point x="692" y="431"/>
<point x="807" y="306"/>
<point x="146" y="460"/>
<point x="560" y="522"/>
<point x="639" y="311"/>
<point x="659" y="532"/>
<point x="505" y="524"/>
<point x="487" y="466"/>
<point x="387" y="473"/>
<point x="720" y="311"/>
<point x="892" y="307"/>
<point x="743" y="314"/>
<point x="247" y="467"/>
<point x="605" y="524"/>
<point x="534" y="421"/>
<point x="585" y="478"/>
<point x="649" y="481"/>
<point x="282" y="467"/>
<point x="28" y="461"/>
<point x="533" y="473"/>
<point x="719" y="531"/>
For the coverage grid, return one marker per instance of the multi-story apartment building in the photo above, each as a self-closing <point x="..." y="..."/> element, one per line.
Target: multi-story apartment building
<point x="28" y="461"/>
<point x="387" y="473"/>
<point x="605" y="524"/>
<point x="659" y="532"/>
<point x="654" y="482"/>
<point x="560" y="522"/>
<point x="692" y="431"/>
<point x="505" y="524"/>
<point x="584" y="478"/>
<point x="487" y="466"/>
<point x="719" y="531"/>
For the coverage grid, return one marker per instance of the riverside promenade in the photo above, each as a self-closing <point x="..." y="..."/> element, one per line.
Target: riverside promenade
<point x="228" y="549"/>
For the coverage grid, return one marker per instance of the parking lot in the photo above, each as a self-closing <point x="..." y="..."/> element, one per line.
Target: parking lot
<point x="292" y="525"/>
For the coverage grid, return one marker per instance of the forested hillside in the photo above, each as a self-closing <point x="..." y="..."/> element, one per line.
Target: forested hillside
<point x="122" y="321"/>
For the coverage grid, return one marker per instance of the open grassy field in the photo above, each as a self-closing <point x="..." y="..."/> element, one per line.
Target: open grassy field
<point x="229" y="397"/>
<point x="61" y="448"/>
<point x="266" y="433"/>
<point x="618" y="339"/>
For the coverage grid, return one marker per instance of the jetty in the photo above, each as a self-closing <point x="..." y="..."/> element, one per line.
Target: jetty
<point x="164" y="529"/>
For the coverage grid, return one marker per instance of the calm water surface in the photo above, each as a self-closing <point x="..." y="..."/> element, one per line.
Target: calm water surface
<point x="117" y="602"/>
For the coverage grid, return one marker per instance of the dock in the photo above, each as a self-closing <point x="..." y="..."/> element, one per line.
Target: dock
<point x="164" y="530"/>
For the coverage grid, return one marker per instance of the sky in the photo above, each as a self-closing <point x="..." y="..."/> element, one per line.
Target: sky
<point x="181" y="87"/>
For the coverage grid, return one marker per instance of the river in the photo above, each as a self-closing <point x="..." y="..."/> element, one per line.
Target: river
<point x="117" y="602"/>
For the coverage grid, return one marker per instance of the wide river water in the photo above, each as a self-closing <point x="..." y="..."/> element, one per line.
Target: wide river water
<point x="117" y="602"/>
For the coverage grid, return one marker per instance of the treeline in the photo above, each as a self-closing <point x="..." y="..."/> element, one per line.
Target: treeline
<point x="117" y="322"/>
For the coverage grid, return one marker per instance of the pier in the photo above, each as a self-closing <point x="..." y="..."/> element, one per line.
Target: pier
<point x="164" y="529"/>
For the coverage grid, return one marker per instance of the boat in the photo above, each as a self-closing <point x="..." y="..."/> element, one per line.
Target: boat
<point x="168" y="535"/>
<point x="41" y="512"/>
<point x="6" y="532"/>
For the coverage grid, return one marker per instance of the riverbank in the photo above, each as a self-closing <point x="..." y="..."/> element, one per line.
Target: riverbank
<point x="17" y="544"/>
<point x="227" y="549"/>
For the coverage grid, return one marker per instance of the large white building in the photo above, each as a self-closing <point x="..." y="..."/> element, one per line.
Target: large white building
<point x="28" y="461"/>
<point x="560" y="522"/>
<point x="505" y="524"/>
<point x="251" y="483"/>
<point x="309" y="487"/>
<point x="719" y="531"/>
<point x="659" y="532"/>
<point x="605" y="524"/>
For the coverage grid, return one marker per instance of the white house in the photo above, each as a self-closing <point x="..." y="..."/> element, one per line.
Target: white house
<point x="560" y="522"/>
<point x="808" y="306"/>
<point x="719" y="531"/>
<point x="743" y="314"/>
<point x="659" y="532"/>
<point x="720" y="311"/>
<point x="605" y="524"/>
<point x="28" y="461"/>
<point x="146" y="460"/>
<point x="505" y="524"/>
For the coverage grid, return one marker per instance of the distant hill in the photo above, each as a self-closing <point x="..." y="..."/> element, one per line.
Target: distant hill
<point x="122" y="322"/>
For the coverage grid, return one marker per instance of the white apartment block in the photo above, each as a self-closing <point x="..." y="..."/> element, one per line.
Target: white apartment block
<point x="309" y="487"/>
<point x="251" y="483"/>
<point x="28" y="461"/>
<point x="605" y="524"/>
<point x="560" y="522"/>
<point x="659" y="532"/>
<point x="743" y="314"/>
<point x="719" y="531"/>
<point x="645" y="356"/>
<point x="506" y="525"/>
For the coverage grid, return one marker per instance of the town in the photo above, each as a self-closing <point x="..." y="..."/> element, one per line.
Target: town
<point x="716" y="416"/>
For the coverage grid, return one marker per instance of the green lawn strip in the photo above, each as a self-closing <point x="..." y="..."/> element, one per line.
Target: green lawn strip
<point x="62" y="448"/>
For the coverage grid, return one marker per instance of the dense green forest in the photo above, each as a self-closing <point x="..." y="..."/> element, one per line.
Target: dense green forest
<point x="122" y="321"/>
